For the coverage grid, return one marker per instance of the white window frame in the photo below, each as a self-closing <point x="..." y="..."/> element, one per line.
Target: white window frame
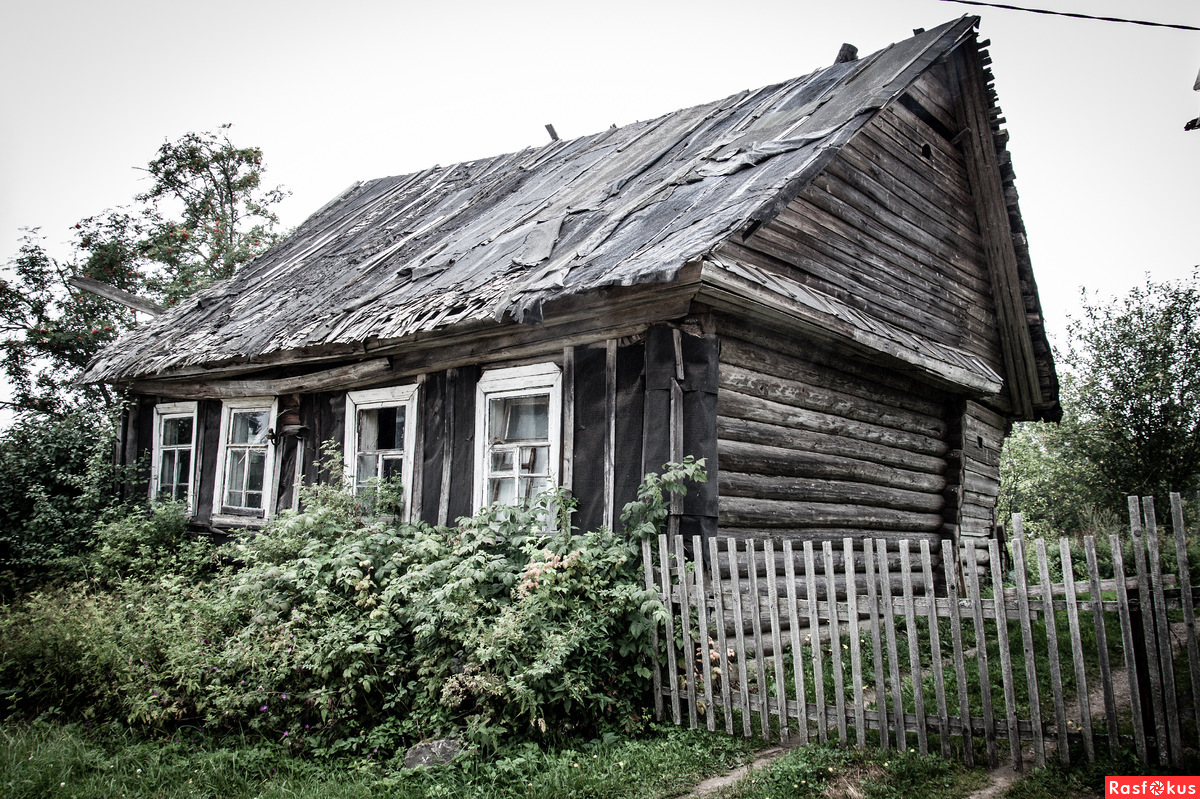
<point x="391" y="397"/>
<point x="516" y="381"/>
<point x="162" y="412"/>
<point x="270" y="479"/>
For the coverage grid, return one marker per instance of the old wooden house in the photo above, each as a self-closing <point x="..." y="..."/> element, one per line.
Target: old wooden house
<point x="822" y="287"/>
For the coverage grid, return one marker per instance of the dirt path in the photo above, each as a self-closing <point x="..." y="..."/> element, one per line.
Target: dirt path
<point x="713" y="785"/>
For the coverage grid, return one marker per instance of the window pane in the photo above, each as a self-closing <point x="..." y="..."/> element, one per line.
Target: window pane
<point x="235" y="479"/>
<point x="166" y="471"/>
<point x="501" y="490"/>
<point x="368" y="466"/>
<point x="502" y="461"/>
<point x="183" y="466"/>
<point x="381" y="428"/>
<point x="254" y="476"/>
<point x="393" y="467"/>
<point x="532" y="486"/>
<point x="249" y="427"/>
<point x="253" y="499"/>
<point x="534" y="460"/>
<point x="520" y="418"/>
<point x="177" y="431"/>
<point x="180" y="493"/>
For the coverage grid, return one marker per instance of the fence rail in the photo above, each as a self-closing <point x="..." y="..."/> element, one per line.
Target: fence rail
<point x="861" y="644"/>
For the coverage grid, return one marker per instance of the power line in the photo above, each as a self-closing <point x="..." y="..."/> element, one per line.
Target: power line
<point x="1076" y="16"/>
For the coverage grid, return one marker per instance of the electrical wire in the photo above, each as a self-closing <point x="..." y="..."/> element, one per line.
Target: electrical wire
<point x="1074" y="15"/>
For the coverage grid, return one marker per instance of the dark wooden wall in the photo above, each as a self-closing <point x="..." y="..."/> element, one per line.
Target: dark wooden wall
<point x="816" y="445"/>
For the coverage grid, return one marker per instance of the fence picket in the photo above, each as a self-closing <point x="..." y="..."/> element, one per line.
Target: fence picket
<point x="739" y="625"/>
<point x="776" y="641"/>
<point x="876" y="644"/>
<point x="760" y="657"/>
<point x="1060" y="710"/>
<point x="981" y="655"/>
<point x="835" y="640"/>
<point x="852" y="631"/>
<point x="1007" y="681"/>
<point x="664" y="560"/>
<point x="814" y="636"/>
<point x="1135" y="698"/>
<point x="1035" y="710"/>
<point x="685" y="623"/>
<point x="722" y="642"/>
<point x="1097" y="600"/>
<point x="1188" y="600"/>
<point x="648" y="569"/>
<point x="956" y="644"/>
<point x="889" y="618"/>
<point x="935" y="650"/>
<point x="914" y="652"/>
<point x="705" y="642"/>
<point x="1081" y="687"/>
<point x="1163" y="635"/>
<point x="794" y="630"/>
<point x="1149" y="637"/>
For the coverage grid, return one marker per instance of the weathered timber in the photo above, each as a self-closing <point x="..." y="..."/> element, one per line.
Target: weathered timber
<point x="752" y="432"/>
<point x="746" y="511"/>
<point x="798" y="394"/>
<point x="114" y="294"/>
<point x="352" y="375"/>
<point x="799" y="489"/>
<point x="736" y="404"/>
<point x="759" y="459"/>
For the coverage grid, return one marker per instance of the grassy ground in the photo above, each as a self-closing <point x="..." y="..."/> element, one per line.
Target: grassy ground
<point x="54" y="760"/>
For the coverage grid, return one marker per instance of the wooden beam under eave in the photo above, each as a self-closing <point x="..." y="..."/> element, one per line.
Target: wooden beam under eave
<point x="987" y="187"/>
<point x="354" y="374"/>
<point x="119" y="296"/>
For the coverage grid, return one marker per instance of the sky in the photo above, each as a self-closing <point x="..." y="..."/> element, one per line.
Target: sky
<point x="335" y="93"/>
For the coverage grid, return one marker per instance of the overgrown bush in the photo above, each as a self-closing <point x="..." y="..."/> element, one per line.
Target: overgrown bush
<point x="333" y="632"/>
<point x="55" y="483"/>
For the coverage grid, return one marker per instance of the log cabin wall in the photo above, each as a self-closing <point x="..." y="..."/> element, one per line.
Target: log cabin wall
<point x="814" y="445"/>
<point x="889" y="228"/>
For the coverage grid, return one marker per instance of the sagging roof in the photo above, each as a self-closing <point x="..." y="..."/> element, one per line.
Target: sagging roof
<point x="499" y="238"/>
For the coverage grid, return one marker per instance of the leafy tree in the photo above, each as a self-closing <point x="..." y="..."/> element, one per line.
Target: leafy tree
<point x="1137" y="363"/>
<point x="204" y="215"/>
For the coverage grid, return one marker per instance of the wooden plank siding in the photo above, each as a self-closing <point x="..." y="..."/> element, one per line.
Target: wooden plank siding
<point x="810" y="446"/>
<point x="889" y="228"/>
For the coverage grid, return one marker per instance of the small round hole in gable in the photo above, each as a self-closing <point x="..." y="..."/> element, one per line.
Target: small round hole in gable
<point x="926" y="151"/>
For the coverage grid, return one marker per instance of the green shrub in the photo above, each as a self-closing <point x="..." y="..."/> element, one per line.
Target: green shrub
<point x="331" y="632"/>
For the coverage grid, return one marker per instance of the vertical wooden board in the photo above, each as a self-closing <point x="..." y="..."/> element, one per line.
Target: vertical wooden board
<point x="610" y="433"/>
<point x="1081" y="686"/>
<point x="776" y="639"/>
<point x="1163" y="634"/>
<point x="935" y="650"/>
<point x="889" y="619"/>
<point x="1188" y="600"/>
<point x="1035" y="710"/>
<point x="960" y="668"/>
<point x="664" y="559"/>
<point x="416" y="499"/>
<point x="722" y="642"/>
<point x="914" y="651"/>
<point x="1098" y="622"/>
<point x="705" y="643"/>
<point x="685" y="624"/>
<point x="876" y="644"/>
<point x="648" y="569"/>
<point x="760" y="657"/>
<point x="814" y="637"/>
<point x="974" y="590"/>
<point x="1149" y="636"/>
<point x="852" y="632"/>
<point x="1008" y="683"/>
<point x="449" y="450"/>
<point x="568" y="418"/>
<point x="1056" y="680"/>
<point x="835" y="640"/>
<point x="1127" y="633"/>
<point x="789" y="565"/>
<point x="739" y="626"/>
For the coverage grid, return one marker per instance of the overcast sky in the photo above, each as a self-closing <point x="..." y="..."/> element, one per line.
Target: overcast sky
<point x="339" y="92"/>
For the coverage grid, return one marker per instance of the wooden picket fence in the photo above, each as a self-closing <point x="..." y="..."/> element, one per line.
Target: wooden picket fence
<point x="760" y="641"/>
